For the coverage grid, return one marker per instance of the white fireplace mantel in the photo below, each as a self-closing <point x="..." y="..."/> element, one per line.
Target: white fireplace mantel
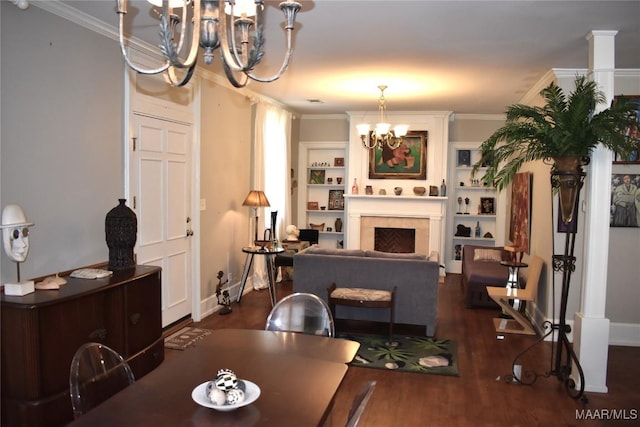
<point x="432" y="208"/>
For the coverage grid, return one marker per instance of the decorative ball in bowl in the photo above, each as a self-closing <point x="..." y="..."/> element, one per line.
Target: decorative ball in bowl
<point x="226" y="392"/>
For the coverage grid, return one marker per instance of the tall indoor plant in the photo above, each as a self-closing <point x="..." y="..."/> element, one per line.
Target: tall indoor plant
<point x="562" y="132"/>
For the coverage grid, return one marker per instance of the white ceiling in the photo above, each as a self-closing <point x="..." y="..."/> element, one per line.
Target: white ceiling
<point x="463" y="56"/>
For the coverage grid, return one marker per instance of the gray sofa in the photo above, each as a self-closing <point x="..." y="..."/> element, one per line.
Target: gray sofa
<point x="416" y="277"/>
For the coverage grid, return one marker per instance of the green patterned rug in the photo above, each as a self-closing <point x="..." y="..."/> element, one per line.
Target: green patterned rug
<point x="405" y="353"/>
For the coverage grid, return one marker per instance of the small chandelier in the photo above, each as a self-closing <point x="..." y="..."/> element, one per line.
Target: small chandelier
<point x="382" y="134"/>
<point x="238" y="31"/>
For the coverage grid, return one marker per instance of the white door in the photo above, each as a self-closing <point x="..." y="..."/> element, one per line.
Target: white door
<point x="160" y="185"/>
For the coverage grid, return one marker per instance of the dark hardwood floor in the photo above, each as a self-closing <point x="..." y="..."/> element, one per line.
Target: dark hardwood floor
<point x="479" y="396"/>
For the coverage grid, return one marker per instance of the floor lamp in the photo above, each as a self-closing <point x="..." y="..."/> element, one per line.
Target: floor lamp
<point x="256" y="199"/>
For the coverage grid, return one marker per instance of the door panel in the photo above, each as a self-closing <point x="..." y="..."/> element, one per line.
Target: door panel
<point x="160" y="180"/>
<point x="149" y="206"/>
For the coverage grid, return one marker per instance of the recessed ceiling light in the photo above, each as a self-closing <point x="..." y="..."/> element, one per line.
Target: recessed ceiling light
<point x="315" y="101"/>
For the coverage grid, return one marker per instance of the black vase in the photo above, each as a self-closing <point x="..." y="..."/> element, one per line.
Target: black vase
<point x="121" y="228"/>
<point x="274" y="217"/>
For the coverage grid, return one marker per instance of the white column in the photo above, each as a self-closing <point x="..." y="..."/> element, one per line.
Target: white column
<point x="591" y="327"/>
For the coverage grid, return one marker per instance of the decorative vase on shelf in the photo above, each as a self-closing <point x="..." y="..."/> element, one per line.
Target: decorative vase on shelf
<point x="121" y="228"/>
<point x="354" y="187"/>
<point x="368" y="190"/>
<point x="338" y="225"/>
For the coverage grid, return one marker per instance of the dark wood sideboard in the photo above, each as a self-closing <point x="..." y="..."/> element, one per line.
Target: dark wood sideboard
<point x="42" y="331"/>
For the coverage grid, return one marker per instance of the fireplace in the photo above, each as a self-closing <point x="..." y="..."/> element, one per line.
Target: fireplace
<point x="423" y="215"/>
<point x="418" y="227"/>
<point x="396" y="240"/>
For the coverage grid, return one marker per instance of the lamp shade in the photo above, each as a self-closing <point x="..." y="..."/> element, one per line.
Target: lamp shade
<point x="256" y="198"/>
<point x="363" y="129"/>
<point x="400" y="130"/>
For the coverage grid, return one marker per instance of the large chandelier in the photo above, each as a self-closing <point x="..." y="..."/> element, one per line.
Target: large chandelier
<point x="382" y="133"/>
<point x="238" y="31"/>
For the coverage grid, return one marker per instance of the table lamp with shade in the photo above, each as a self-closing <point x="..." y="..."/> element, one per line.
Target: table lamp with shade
<point x="256" y="199"/>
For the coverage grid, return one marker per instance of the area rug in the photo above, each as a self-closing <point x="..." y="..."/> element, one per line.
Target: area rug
<point x="185" y="337"/>
<point x="406" y="353"/>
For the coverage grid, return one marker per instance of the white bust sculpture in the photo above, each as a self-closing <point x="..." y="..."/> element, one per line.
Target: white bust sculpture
<point x="15" y="233"/>
<point x="292" y="232"/>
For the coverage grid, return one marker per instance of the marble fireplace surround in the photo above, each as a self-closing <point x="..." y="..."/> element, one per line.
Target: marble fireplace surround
<point x="424" y="214"/>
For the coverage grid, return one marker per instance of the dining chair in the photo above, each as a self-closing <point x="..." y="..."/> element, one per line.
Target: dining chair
<point x="360" y="403"/>
<point x="97" y="373"/>
<point x="505" y="299"/>
<point x="301" y="312"/>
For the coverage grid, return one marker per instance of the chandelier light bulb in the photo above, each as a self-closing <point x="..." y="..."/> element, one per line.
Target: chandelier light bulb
<point x="363" y="129"/>
<point x="172" y="3"/>
<point x="400" y="130"/>
<point x="246" y="8"/>
<point x="22" y="4"/>
<point x="382" y="128"/>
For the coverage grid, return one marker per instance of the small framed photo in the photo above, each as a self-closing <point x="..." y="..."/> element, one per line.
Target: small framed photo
<point x="336" y="200"/>
<point x="312" y="206"/>
<point x="316" y="176"/>
<point x="464" y="157"/>
<point x="625" y="209"/>
<point x="338" y="161"/>
<point x="487" y="205"/>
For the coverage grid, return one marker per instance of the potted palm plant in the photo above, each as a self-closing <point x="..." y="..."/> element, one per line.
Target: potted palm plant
<point x="562" y="132"/>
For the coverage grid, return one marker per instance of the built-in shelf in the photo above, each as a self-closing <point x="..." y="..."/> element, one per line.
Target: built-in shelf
<point x="480" y="202"/>
<point x="321" y="162"/>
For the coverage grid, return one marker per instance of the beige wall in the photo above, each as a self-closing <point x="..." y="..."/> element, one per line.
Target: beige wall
<point x="334" y="127"/>
<point x="225" y="178"/>
<point x="62" y="127"/>
<point x="473" y="127"/>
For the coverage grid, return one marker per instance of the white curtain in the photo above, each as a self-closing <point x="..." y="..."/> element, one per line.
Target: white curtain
<point x="271" y="174"/>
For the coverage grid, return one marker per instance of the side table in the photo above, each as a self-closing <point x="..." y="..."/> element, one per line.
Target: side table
<point x="291" y="247"/>
<point x="270" y="253"/>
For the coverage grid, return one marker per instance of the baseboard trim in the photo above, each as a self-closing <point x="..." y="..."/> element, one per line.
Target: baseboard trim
<point x="624" y="334"/>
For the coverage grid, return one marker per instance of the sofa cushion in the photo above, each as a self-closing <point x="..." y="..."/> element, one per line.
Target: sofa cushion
<point x="315" y="249"/>
<point x="361" y="294"/>
<point x="487" y="255"/>
<point x="379" y="254"/>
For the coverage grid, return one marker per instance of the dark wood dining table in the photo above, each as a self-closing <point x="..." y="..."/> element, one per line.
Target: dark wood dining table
<point x="298" y="376"/>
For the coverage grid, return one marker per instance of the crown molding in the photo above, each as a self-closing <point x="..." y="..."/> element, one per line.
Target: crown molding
<point x="324" y="117"/>
<point x="472" y="116"/>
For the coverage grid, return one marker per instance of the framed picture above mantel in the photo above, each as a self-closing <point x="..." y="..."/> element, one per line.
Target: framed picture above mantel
<point x="408" y="161"/>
